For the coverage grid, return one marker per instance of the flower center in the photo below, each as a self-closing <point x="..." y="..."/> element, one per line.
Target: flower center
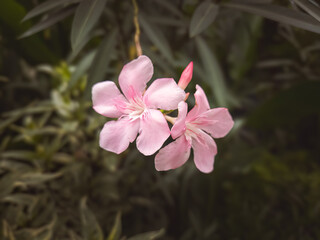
<point x="135" y="107"/>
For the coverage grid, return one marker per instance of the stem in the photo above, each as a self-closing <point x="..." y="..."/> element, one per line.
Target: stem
<point x="170" y="119"/>
<point x="137" y="26"/>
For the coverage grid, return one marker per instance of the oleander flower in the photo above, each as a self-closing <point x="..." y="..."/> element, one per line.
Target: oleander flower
<point x="137" y="109"/>
<point x="192" y="131"/>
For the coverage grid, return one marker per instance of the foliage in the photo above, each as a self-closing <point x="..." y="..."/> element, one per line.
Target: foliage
<point x="56" y="183"/>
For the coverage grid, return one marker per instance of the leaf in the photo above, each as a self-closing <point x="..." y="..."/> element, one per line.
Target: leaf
<point x="116" y="229"/>
<point x="19" y="154"/>
<point x="81" y="69"/>
<point x="7" y="184"/>
<point x="213" y="72"/>
<point x="170" y="7"/>
<point x="49" y="21"/>
<point x="149" y="235"/>
<point x="76" y="51"/>
<point x="33" y="178"/>
<point x="313" y="10"/>
<point x="102" y="59"/>
<point x="157" y="38"/>
<point x="90" y="227"/>
<point x="277" y="13"/>
<point x="243" y="49"/>
<point x="203" y="16"/>
<point x="46" y="6"/>
<point x="7" y="231"/>
<point x="19" y="198"/>
<point x="87" y="14"/>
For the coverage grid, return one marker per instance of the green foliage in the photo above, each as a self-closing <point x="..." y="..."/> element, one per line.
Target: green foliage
<point x="55" y="181"/>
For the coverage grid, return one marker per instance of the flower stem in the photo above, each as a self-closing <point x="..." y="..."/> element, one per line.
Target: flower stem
<point x="170" y="119"/>
<point x="137" y="26"/>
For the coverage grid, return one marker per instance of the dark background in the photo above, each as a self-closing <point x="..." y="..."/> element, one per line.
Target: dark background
<point x="55" y="181"/>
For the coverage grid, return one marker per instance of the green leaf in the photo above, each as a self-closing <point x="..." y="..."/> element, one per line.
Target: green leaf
<point x="170" y="7"/>
<point x="149" y="235"/>
<point x="306" y="5"/>
<point x="87" y="14"/>
<point x="49" y="21"/>
<point x="277" y="13"/>
<point x="116" y="229"/>
<point x="19" y="198"/>
<point x="90" y="227"/>
<point x="157" y="38"/>
<point x="102" y="59"/>
<point x="46" y="6"/>
<point x="203" y="16"/>
<point x="7" y="231"/>
<point x="215" y="77"/>
<point x="81" y="69"/>
<point x="19" y="154"/>
<point x="33" y="178"/>
<point x="7" y="184"/>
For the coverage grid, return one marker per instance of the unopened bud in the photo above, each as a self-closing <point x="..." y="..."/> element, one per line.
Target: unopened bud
<point x="186" y="76"/>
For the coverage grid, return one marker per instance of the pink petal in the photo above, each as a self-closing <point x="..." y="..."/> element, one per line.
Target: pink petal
<point x="134" y="76"/>
<point x="105" y="96"/>
<point x="186" y="76"/>
<point x="201" y="106"/>
<point x="220" y="122"/>
<point x="204" y="150"/>
<point x="173" y="155"/>
<point x="179" y="126"/>
<point x="117" y="135"/>
<point x="164" y="93"/>
<point x="153" y="132"/>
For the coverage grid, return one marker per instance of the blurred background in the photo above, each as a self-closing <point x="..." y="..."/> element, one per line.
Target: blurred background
<point x="259" y="58"/>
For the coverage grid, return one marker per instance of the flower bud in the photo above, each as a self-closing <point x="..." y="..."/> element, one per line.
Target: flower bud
<point x="186" y="76"/>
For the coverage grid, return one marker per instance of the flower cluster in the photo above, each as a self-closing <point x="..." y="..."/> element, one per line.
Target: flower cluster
<point x="140" y="111"/>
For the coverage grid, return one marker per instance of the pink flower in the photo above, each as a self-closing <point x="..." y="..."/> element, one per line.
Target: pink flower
<point x="190" y="130"/>
<point x="136" y="108"/>
<point x="186" y="76"/>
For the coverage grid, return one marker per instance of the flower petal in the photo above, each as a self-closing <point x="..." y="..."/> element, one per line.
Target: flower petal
<point x="164" y="93"/>
<point x="153" y="132"/>
<point x="204" y="150"/>
<point x="219" y="122"/>
<point x="134" y="76"/>
<point x="117" y="135"/>
<point x="201" y="106"/>
<point x="173" y="155"/>
<point x="105" y="96"/>
<point x="179" y="126"/>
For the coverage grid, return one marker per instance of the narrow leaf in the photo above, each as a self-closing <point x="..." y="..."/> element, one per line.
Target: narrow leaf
<point x="46" y="6"/>
<point x="313" y="10"/>
<point x="33" y="178"/>
<point x="203" y="16"/>
<point x="213" y="71"/>
<point x="102" y="59"/>
<point x="277" y="13"/>
<point x="49" y="21"/>
<point x="19" y="198"/>
<point x="149" y="235"/>
<point x="87" y="14"/>
<point x="170" y="7"/>
<point x="81" y="69"/>
<point x="91" y="229"/>
<point x="116" y="229"/>
<point x="157" y="38"/>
